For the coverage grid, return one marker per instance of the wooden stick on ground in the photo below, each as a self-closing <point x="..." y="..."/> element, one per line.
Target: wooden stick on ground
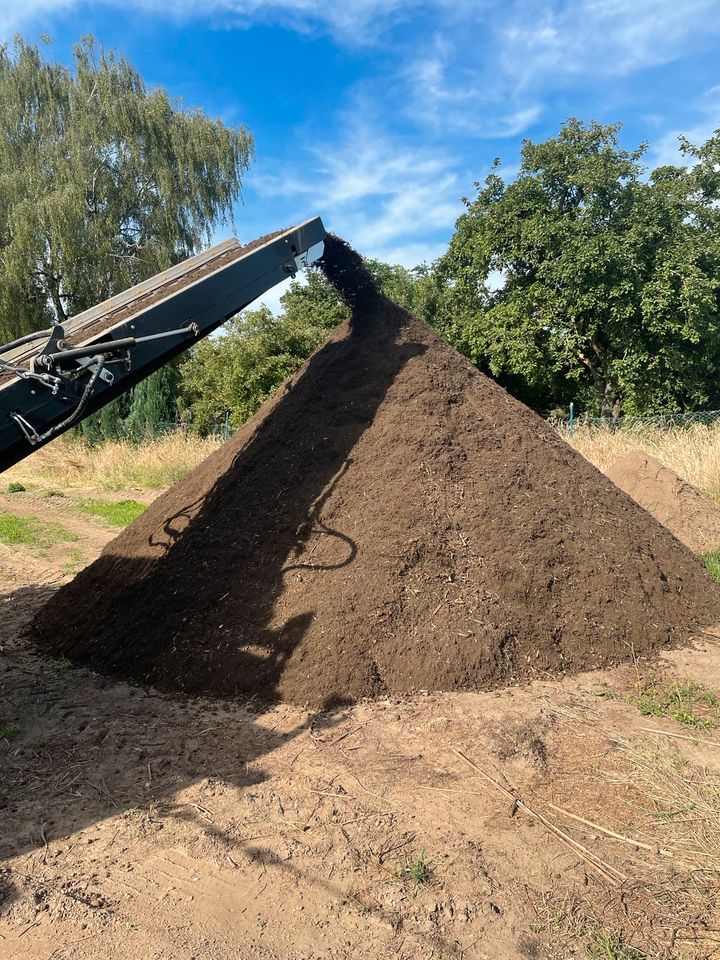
<point x="606" y="871"/>
<point x="698" y="741"/>
<point x="610" y="833"/>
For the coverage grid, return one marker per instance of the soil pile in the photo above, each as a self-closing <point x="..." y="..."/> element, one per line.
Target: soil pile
<point x="391" y="520"/>
<point x="687" y="513"/>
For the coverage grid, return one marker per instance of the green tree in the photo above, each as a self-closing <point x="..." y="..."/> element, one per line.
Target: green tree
<point x="102" y="182"/>
<point x="154" y="403"/>
<point x="236" y="371"/>
<point x="584" y="279"/>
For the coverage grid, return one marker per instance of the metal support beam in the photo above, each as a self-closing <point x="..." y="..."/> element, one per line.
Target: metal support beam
<point x="45" y="391"/>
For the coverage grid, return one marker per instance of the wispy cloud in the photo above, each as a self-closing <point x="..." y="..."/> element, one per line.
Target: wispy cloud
<point x="15" y="17"/>
<point x="445" y="90"/>
<point x="548" y="34"/>
<point x="390" y="198"/>
<point x="490" y="71"/>
<point x="481" y="67"/>
<point x="448" y="72"/>
<point x="351" y="21"/>
<point x="602" y="37"/>
<point x="705" y="120"/>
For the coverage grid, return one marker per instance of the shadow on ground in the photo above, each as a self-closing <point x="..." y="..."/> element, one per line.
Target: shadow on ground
<point x="88" y="747"/>
<point x="187" y="599"/>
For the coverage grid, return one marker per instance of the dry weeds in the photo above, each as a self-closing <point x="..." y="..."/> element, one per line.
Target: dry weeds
<point x="685" y="801"/>
<point x="692" y="452"/>
<point x="116" y="465"/>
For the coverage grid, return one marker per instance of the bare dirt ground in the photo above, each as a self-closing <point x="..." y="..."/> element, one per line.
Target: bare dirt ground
<point x="689" y="514"/>
<point x="141" y="826"/>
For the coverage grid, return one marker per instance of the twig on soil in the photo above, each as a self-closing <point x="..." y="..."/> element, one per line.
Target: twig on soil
<point x="29" y="927"/>
<point x="331" y="743"/>
<point x="369" y="792"/>
<point x="44" y="840"/>
<point x="610" y="833"/>
<point x="606" y="870"/>
<point x="368" y="816"/>
<point x="700" y="741"/>
<point x="329" y="793"/>
<point x="398" y="846"/>
<point x="58" y="950"/>
<point x="257" y="879"/>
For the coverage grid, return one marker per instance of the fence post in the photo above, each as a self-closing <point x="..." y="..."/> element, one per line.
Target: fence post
<point x="571" y="421"/>
<point x="226" y="426"/>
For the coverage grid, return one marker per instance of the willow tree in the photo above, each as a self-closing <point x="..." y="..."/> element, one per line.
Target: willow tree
<point x="102" y="182"/>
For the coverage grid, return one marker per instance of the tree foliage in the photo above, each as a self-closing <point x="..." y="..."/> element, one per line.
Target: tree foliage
<point x="236" y="371"/>
<point x="102" y="182"/>
<point x="584" y="279"/>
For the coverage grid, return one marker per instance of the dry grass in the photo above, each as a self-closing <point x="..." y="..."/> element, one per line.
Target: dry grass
<point x="68" y="463"/>
<point x="685" y="802"/>
<point x="692" y="452"/>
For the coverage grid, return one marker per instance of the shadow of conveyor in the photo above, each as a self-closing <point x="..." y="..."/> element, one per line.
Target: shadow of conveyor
<point x="79" y="747"/>
<point x="91" y="748"/>
<point x="186" y="598"/>
<point x="185" y="604"/>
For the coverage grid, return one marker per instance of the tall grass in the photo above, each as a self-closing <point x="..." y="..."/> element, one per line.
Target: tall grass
<point x="692" y="452"/>
<point x="116" y="465"/>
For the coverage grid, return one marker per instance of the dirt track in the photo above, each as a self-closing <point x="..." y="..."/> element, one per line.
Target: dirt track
<point x="140" y="826"/>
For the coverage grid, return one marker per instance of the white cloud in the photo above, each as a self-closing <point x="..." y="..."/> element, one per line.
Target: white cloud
<point x="487" y="73"/>
<point x="602" y="37"/>
<point x="450" y="95"/>
<point x="595" y="35"/>
<point x="388" y="197"/>
<point x="353" y="21"/>
<point x="666" y="149"/>
<point x="485" y="65"/>
<point x="474" y="68"/>
<point x="15" y="17"/>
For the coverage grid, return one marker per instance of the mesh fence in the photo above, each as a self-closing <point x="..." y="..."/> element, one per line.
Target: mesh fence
<point x="661" y="421"/>
<point x="218" y="428"/>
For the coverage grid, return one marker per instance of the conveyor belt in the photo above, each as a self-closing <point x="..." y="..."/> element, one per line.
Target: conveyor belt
<point x="154" y="320"/>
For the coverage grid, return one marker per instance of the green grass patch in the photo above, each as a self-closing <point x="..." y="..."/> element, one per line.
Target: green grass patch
<point x="688" y="703"/>
<point x="16" y="487"/>
<point x="9" y="731"/>
<point x="32" y="532"/>
<point x="119" y="513"/>
<point x="416" y="870"/>
<point x="61" y="662"/>
<point x="612" y="946"/>
<point x="74" y="561"/>
<point x="712" y="562"/>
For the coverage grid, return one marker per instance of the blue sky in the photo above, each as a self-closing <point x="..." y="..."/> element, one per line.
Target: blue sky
<point x="380" y="114"/>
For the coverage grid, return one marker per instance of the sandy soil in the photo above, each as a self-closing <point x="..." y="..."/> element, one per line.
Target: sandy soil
<point x="143" y="826"/>
<point x="689" y="514"/>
